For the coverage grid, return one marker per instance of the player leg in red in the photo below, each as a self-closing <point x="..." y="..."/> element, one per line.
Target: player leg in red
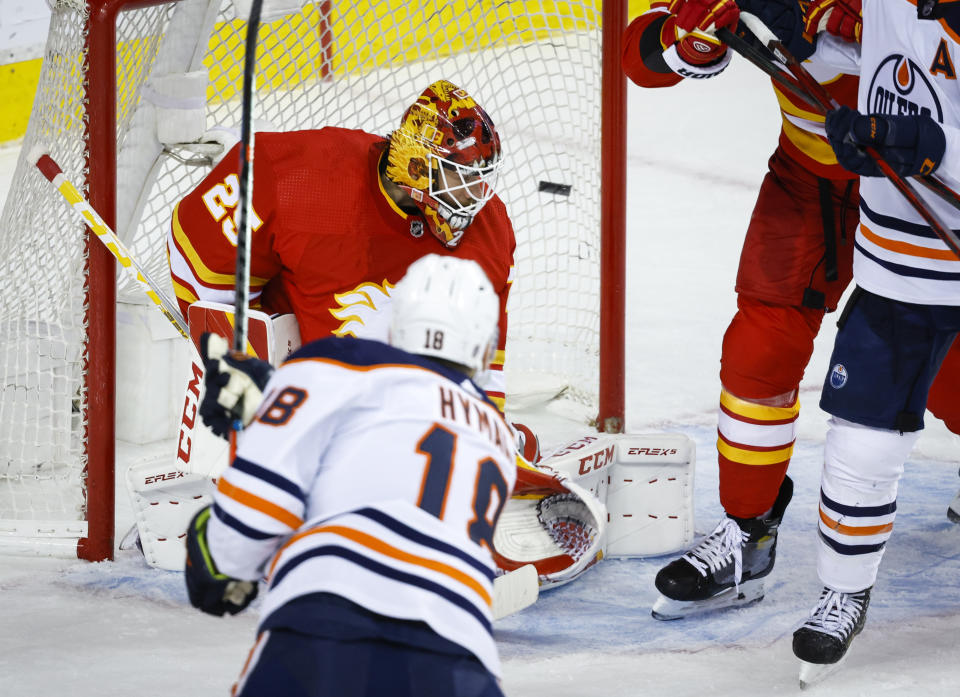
<point x="791" y="272"/>
<point x="943" y="403"/>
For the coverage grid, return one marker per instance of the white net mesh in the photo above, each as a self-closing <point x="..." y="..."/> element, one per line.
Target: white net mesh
<point x="535" y="66"/>
<point x="42" y="327"/>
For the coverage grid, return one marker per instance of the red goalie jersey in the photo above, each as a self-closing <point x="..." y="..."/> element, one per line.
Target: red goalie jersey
<point x="328" y="243"/>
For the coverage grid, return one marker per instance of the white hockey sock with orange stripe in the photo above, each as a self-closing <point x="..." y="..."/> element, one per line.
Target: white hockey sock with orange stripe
<point x="858" y="501"/>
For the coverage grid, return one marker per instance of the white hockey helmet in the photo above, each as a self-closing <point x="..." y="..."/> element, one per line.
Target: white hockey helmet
<point x="445" y="307"/>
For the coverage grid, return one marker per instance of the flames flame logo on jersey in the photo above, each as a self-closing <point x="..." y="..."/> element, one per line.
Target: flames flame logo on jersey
<point x="900" y="86"/>
<point x="364" y="311"/>
<point x="446" y="155"/>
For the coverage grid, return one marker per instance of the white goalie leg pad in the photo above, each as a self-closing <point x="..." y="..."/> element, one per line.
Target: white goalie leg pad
<point x="601" y="495"/>
<point x="646" y="484"/>
<point x="163" y="504"/>
<point x="161" y="494"/>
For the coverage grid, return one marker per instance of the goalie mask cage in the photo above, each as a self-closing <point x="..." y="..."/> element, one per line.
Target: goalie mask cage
<point x="118" y="84"/>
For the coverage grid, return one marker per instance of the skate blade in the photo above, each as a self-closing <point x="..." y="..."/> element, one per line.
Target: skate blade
<point x="666" y="609"/>
<point x="813" y="673"/>
<point x="131" y="539"/>
<point x="953" y="511"/>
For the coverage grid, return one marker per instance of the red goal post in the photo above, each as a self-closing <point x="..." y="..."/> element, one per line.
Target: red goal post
<point x="125" y="84"/>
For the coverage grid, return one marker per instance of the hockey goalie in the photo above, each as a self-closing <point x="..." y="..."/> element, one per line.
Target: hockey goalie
<point x="389" y="192"/>
<point x="338" y="216"/>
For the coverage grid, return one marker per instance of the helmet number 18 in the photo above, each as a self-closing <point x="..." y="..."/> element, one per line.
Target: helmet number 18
<point x="434" y="340"/>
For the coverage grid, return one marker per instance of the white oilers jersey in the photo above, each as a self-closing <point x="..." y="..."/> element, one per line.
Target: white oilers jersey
<point x="908" y="66"/>
<point x="375" y="475"/>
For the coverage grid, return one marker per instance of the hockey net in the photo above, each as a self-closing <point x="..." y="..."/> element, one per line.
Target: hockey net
<point x="135" y="120"/>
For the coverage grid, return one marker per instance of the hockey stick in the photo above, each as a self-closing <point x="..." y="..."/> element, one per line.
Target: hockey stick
<point x="814" y="94"/>
<point x="777" y="72"/>
<point x="54" y="174"/>
<point x="241" y="281"/>
<point x="515" y="590"/>
<point x="245" y="190"/>
<point x="825" y="102"/>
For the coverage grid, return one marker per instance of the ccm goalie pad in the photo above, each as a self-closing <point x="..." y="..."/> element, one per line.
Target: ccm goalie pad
<point x="646" y="484"/>
<point x="166" y="496"/>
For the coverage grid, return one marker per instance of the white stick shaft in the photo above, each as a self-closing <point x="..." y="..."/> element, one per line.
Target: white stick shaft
<point x="515" y="591"/>
<point x="52" y="171"/>
<point x="759" y="29"/>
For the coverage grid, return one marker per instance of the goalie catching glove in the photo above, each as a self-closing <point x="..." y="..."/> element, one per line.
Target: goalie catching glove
<point x="208" y="589"/>
<point x="233" y="385"/>
<point x="552" y="523"/>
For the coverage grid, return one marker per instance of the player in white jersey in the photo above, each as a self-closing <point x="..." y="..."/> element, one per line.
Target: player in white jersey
<point x="365" y="492"/>
<point x="905" y="311"/>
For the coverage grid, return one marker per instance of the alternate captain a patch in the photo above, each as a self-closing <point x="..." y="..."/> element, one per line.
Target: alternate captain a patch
<point x="942" y="64"/>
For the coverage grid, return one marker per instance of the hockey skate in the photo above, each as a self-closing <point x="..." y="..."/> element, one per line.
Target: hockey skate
<point x="953" y="510"/>
<point x="726" y="569"/>
<point x="821" y="643"/>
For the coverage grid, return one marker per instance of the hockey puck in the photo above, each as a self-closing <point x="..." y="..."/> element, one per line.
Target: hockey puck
<point x="555" y="188"/>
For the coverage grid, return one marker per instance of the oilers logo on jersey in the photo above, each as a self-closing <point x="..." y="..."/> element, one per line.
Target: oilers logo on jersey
<point x="838" y="376"/>
<point x="899" y="86"/>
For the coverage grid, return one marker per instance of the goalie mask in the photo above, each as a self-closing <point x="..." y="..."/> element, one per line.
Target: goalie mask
<point x="445" y="307"/>
<point x="446" y="156"/>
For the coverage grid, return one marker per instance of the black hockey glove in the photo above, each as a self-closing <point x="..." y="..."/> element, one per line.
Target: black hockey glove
<point x="233" y="385"/>
<point x="208" y="589"/>
<point x="785" y="19"/>
<point x="910" y="144"/>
